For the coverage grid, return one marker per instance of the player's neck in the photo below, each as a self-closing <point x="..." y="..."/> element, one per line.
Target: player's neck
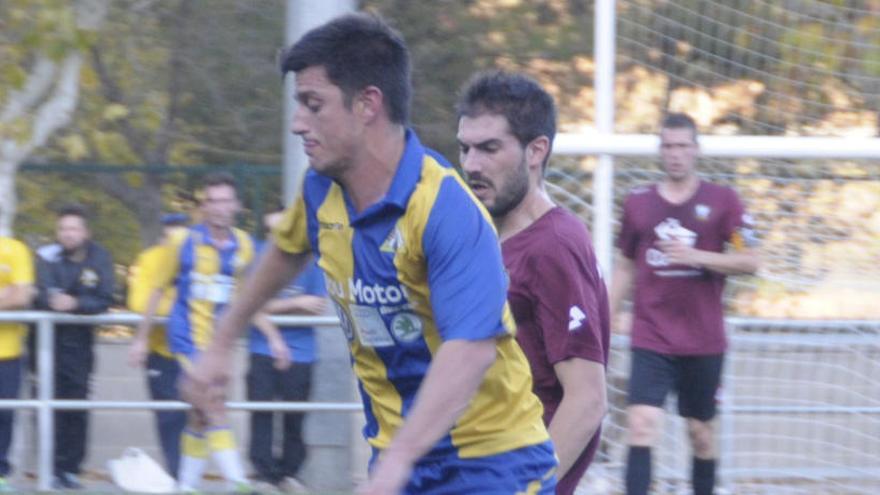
<point x="374" y="167"/>
<point x="219" y="235"/>
<point x="533" y="206"/>
<point x="679" y="191"/>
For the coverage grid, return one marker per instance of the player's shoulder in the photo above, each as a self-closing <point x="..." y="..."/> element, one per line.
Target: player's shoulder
<point x="722" y="194"/>
<point x="560" y="231"/>
<point x="315" y="187"/>
<point x="718" y="189"/>
<point x="640" y="191"/>
<point x="50" y="252"/>
<point x="13" y="247"/>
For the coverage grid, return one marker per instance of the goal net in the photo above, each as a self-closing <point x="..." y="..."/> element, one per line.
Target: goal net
<point x="800" y="406"/>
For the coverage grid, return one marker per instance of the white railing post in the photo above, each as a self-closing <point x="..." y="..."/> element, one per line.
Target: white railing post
<point x="727" y="422"/>
<point x="45" y="392"/>
<point x="603" y="179"/>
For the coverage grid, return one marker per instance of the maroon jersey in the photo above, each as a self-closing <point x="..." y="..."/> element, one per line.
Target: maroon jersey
<point x="560" y="305"/>
<point x="677" y="309"/>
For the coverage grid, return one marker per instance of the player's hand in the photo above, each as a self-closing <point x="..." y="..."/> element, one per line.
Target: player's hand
<point x="389" y="476"/>
<point x="280" y="353"/>
<point x="137" y="353"/>
<point x="313" y="305"/>
<point x="204" y="384"/>
<point x="679" y="253"/>
<point x="62" y="302"/>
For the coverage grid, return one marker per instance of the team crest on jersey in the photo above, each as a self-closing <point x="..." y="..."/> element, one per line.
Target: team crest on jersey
<point x="702" y="211"/>
<point x="88" y="278"/>
<point x="407" y="327"/>
<point x="393" y="242"/>
<point x="344" y="321"/>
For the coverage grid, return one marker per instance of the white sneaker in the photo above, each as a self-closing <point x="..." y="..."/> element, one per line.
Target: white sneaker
<point x="292" y="485"/>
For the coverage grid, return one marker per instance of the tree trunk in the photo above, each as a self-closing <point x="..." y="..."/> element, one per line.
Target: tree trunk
<point x="8" y="198"/>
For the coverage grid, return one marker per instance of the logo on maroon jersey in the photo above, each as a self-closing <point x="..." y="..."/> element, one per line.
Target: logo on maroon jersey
<point x="702" y="212"/>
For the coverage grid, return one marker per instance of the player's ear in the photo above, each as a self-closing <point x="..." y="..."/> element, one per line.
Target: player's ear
<point x="537" y="151"/>
<point x="368" y="104"/>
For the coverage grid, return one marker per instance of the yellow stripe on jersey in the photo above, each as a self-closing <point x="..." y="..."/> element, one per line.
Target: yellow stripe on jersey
<point x="337" y="261"/>
<point x="291" y="234"/>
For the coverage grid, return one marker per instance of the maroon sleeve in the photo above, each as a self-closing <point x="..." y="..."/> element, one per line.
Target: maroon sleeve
<point x="567" y="293"/>
<point x="627" y="239"/>
<point x="738" y="228"/>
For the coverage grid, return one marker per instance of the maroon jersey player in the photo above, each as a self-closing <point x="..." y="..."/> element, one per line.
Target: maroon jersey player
<point x="678" y="240"/>
<point x="506" y="127"/>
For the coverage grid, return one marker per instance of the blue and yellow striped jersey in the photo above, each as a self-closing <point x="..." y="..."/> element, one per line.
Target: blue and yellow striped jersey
<point x="205" y="275"/>
<point x="420" y="267"/>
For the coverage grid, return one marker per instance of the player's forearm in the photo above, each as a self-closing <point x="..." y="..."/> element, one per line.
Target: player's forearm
<point x="580" y="413"/>
<point x="574" y="424"/>
<point x="146" y="324"/>
<point x="297" y="305"/>
<point x="16" y="297"/>
<point x="456" y="372"/>
<point x="273" y="270"/>
<point x="621" y="283"/>
<point x="266" y="327"/>
<point x="730" y="263"/>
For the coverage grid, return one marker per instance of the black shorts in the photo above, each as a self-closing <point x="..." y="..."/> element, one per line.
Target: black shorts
<point x="696" y="379"/>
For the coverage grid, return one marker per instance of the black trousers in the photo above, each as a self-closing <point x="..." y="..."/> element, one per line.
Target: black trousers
<point x="10" y="385"/>
<point x="74" y="361"/>
<point x="162" y="376"/>
<point x="265" y="383"/>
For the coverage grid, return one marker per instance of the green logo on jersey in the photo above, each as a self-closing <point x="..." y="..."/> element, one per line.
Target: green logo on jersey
<point x="407" y="327"/>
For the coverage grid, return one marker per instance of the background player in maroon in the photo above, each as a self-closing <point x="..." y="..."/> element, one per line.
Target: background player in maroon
<point x="506" y="127"/>
<point x="674" y="243"/>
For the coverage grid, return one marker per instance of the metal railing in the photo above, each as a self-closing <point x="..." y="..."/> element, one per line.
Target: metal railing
<point x="45" y="405"/>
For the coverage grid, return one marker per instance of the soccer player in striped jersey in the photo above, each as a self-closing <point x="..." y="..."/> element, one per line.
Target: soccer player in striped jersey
<point x="205" y="265"/>
<point x="414" y="271"/>
<point x="163" y="369"/>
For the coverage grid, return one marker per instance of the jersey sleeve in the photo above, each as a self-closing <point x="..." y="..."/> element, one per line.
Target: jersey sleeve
<point x="291" y="233"/>
<point x="567" y="310"/>
<point x="139" y="288"/>
<point x="168" y="261"/>
<point x="466" y="275"/>
<point x="22" y="265"/>
<point x="738" y="227"/>
<point x="141" y="285"/>
<point x="314" y="281"/>
<point x="627" y="239"/>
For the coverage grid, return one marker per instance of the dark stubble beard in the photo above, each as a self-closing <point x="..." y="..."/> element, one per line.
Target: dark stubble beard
<point x="513" y="192"/>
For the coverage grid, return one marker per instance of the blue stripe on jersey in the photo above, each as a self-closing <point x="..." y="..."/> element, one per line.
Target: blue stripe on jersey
<point x="179" y="329"/>
<point x="468" y="292"/>
<point x="318" y="186"/>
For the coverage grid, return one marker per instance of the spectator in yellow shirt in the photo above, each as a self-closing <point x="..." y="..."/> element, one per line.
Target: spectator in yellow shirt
<point x="162" y="368"/>
<point x="16" y="292"/>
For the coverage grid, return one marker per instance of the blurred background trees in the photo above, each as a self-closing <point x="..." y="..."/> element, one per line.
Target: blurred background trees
<point x="187" y="83"/>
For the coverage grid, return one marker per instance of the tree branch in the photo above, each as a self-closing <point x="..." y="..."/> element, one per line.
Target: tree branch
<point x="175" y="63"/>
<point x="38" y="83"/>
<point x="113" y="93"/>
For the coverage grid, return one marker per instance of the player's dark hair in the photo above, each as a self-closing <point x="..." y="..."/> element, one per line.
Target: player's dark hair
<point x="357" y="51"/>
<point x="528" y="108"/>
<point x="679" y="121"/>
<point x="73" y="210"/>
<point x="219" y="179"/>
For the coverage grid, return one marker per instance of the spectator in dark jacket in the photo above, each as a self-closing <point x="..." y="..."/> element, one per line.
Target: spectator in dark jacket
<point x="74" y="275"/>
